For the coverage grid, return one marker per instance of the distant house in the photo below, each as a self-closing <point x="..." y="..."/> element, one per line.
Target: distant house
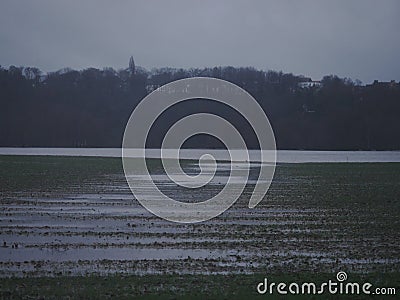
<point x="390" y="84"/>
<point x="151" y="85"/>
<point x="309" y="84"/>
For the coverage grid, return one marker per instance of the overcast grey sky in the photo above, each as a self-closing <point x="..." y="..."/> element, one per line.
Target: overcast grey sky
<point x="350" y="38"/>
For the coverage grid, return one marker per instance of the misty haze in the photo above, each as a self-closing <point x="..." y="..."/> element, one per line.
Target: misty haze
<point x="202" y="211"/>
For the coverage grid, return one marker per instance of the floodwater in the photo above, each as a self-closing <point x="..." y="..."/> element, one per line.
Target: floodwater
<point x="283" y="156"/>
<point x="108" y="231"/>
<point x="315" y="217"/>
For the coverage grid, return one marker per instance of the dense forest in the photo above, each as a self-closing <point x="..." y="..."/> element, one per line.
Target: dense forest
<point x="90" y="108"/>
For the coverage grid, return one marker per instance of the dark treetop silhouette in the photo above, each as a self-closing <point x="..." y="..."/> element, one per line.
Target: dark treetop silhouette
<point x="90" y="108"/>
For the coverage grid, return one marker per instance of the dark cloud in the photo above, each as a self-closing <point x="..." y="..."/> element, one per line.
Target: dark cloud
<point x="357" y="39"/>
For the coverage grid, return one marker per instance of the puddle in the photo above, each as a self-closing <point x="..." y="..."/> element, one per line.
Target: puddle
<point x="110" y="253"/>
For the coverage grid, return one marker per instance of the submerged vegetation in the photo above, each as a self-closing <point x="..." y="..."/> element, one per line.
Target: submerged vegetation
<point x="173" y="286"/>
<point x="75" y="220"/>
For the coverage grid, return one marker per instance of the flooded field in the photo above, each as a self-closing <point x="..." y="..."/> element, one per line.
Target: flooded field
<point x="76" y="216"/>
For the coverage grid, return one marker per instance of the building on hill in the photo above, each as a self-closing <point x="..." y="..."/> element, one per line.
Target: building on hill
<point x="389" y="84"/>
<point x="309" y="84"/>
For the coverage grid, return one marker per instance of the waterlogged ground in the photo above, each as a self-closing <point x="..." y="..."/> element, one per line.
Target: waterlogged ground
<point x="76" y="216"/>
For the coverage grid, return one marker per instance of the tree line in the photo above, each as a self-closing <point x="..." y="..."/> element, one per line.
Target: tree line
<point x="90" y="108"/>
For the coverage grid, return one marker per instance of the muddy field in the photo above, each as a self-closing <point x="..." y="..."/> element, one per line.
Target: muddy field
<point x="76" y="216"/>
